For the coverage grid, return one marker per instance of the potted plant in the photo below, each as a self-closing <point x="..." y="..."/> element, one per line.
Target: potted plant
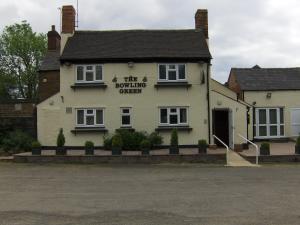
<point x="265" y="148"/>
<point x="89" y="148"/>
<point x="117" y="144"/>
<point x="174" y="149"/>
<point x="202" y="146"/>
<point x="145" y="147"/>
<point x="60" y="149"/>
<point x="297" y="146"/>
<point x="36" y="148"/>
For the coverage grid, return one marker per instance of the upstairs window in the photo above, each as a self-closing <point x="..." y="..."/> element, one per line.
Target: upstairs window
<point x="172" y="116"/>
<point x="89" y="117"/>
<point x="171" y="72"/>
<point x="88" y="73"/>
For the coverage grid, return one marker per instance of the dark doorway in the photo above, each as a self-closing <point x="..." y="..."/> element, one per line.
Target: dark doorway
<point x="221" y="126"/>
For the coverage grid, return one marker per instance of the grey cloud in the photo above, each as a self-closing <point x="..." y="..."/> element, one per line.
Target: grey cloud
<point x="242" y="33"/>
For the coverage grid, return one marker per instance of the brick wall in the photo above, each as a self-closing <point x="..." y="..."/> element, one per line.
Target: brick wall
<point x="234" y="85"/>
<point x="48" y="84"/>
<point x="19" y="115"/>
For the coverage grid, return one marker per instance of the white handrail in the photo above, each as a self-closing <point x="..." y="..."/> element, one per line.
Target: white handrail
<point x="255" y="145"/>
<point x="227" y="148"/>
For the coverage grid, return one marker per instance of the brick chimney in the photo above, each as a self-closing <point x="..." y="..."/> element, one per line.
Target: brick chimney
<point x="201" y="21"/>
<point x="68" y="19"/>
<point x="53" y="39"/>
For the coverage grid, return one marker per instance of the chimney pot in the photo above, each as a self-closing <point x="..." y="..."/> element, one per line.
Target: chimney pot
<point x="68" y="19"/>
<point x="53" y="27"/>
<point x="201" y="21"/>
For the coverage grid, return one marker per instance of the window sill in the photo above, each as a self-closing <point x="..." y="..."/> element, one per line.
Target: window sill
<point x="126" y="128"/>
<point x="89" y="130"/>
<point x="89" y="85"/>
<point x="169" y="128"/>
<point x="177" y="84"/>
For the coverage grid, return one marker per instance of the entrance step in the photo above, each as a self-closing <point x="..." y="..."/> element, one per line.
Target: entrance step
<point x="235" y="160"/>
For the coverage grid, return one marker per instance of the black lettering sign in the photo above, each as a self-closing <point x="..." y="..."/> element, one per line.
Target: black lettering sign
<point x="131" y="85"/>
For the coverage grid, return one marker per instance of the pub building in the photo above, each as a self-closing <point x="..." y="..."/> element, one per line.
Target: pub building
<point x="93" y="83"/>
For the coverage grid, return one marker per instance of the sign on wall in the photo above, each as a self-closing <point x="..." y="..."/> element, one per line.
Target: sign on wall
<point x="130" y="85"/>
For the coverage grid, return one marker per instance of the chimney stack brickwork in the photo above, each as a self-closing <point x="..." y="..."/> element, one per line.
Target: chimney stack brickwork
<point x="68" y="19"/>
<point x="201" y="21"/>
<point x="53" y="39"/>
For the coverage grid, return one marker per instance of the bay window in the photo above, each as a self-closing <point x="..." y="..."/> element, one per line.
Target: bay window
<point x="89" y="118"/>
<point x="88" y="73"/>
<point x="269" y="123"/>
<point x="171" y="72"/>
<point x="172" y="116"/>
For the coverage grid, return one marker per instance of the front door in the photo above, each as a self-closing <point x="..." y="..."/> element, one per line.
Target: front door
<point x="221" y="126"/>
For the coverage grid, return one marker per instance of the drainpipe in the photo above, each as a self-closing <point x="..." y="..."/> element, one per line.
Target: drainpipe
<point x="208" y="100"/>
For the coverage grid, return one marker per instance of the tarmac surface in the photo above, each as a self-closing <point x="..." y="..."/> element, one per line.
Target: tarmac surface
<point x="33" y="194"/>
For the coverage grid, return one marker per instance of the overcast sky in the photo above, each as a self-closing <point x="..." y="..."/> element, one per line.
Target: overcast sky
<point x="242" y="32"/>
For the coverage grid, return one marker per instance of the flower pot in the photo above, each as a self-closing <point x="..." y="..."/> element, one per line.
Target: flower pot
<point x="36" y="151"/>
<point x="89" y="151"/>
<point x="61" y="151"/>
<point x="297" y="150"/>
<point x="264" y="151"/>
<point x="145" y="151"/>
<point x="116" y="151"/>
<point x="174" y="150"/>
<point x="202" y="149"/>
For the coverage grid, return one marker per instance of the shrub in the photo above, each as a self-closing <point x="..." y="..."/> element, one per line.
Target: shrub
<point x="298" y="141"/>
<point x="17" y="141"/>
<point x="117" y="141"/>
<point x="145" y="144"/>
<point x="132" y="140"/>
<point x="107" y="142"/>
<point x="89" y="145"/>
<point x="61" y="139"/>
<point x="155" y="139"/>
<point x="202" y="143"/>
<point x="36" y="144"/>
<point x="265" y="146"/>
<point x="174" y="138"/>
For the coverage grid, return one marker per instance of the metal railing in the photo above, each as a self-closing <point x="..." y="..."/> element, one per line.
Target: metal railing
<point x="255" y="145"/>
<point x="227" y="148"/>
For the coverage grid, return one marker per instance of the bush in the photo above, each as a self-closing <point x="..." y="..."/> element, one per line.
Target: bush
<point x="265" y="146"/>
<point x="36" y="144"/>
<point x="174" y="138"/>
<point x="107" y="142"/>
<point x="89" y="145"/>
<point x="17" y="141"/>
<point x="117" y="141"/>
<point x="145" y="144"/>
<point x="298" y="141"/>
<point x="202" y="143"/>
<point x="155" y="139"/>
<point x="131" y="140"/>
<point x="61" y="139"/>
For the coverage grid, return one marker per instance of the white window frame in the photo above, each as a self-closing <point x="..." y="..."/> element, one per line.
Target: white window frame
<point x="167" y="72"/>
<point x="126" y="114"/>
<point x="268" y="124"/>
<point x="84" y="73"/>
<point x="294" y="124"/>
<point x="172" y="113"/>
<point x="85" y="115"/>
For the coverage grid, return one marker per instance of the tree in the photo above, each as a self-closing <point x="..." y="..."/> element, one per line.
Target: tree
<point x="21" y="51"/>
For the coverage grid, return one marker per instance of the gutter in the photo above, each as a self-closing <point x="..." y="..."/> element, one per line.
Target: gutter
<point x="208" y="100"/>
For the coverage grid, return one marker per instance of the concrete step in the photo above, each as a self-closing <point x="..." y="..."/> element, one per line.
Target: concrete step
<point x="235" y="160"/>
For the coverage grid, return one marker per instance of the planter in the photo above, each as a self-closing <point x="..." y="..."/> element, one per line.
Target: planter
<point x="61" y="151"/>
<point x="89" y="151"/>
<point x="145" y="151"/>
<point x="297" y="150"/>
<point x="202" y="149"/>
<point x="264" y="151"/>
<point x="174" y="150"/>
<point x="116" y="151"/>
<point x="36" y="151"/>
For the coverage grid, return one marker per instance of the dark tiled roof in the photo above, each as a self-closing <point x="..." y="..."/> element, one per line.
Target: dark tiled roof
<point x="51" y="61"/>
<point x="261" y="79"/>
<point x="136" y="44"/>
